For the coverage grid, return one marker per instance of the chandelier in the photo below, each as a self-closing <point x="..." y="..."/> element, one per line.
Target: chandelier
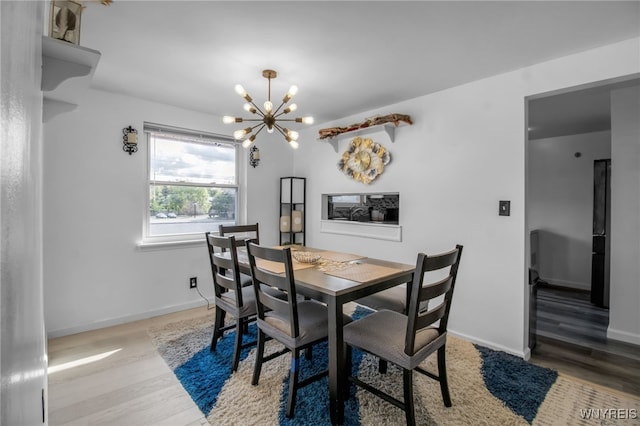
<point x="268" y="117"/>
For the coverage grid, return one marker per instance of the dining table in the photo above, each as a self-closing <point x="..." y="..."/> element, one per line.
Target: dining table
<point x="336" y="279"/>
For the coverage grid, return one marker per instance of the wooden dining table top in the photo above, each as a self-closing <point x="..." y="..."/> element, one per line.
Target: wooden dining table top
<point x="333" y="277"/>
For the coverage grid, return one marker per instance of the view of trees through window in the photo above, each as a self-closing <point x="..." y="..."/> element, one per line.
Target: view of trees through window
<point x="192" y="183"/>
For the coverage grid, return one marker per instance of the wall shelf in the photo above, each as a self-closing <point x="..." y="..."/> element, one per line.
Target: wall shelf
<point x="386" y="128"/>
<point x="67" y="70"/>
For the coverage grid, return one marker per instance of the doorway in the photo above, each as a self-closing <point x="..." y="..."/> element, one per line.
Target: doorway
<point x="568" y="221"/>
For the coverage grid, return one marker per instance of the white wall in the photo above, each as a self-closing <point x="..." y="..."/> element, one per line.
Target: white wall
<point x="23" y="344"/>
<point x="624" y="317"/>
<point x="94" y="201"/>
<point x="464" y="153"/>
<point x="561" y="204"/>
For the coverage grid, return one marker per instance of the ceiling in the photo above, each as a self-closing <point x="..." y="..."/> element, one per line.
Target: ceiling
<point x="574" y="110"/>
<point x="346" y="57"/>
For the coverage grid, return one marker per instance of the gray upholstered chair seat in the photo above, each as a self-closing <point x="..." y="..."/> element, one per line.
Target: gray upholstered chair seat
<point x="228" y="302"/>
<point x="384" y="333"/>
<point x="393" y="299"/>
<point x="246" y="280"/>
<point x="313" y="324"/>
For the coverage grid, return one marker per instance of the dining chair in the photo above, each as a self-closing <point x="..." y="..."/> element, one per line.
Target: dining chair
<point x="407" y="340"/>
<point x="296" y="323"/>
<point x="230" y="295"/>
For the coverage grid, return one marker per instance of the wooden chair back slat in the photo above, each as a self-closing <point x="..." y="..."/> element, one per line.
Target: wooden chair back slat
<point x="243" y="233"/>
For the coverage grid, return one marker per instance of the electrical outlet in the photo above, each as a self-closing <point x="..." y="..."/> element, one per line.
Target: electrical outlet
<point x="504" y="208"/>
<point x="193" y="282"/>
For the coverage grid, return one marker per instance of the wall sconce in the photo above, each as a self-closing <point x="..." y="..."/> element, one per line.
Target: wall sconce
<point x="130" y="140"/>
<point x="254" y="156"/>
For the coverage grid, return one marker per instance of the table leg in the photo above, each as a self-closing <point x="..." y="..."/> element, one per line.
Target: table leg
<point x="336" y="365"/>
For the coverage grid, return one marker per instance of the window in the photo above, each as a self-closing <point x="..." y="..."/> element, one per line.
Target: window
<point x="193" y="182"/>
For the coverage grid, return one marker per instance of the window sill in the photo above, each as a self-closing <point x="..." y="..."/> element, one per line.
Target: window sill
<point x="165" y="244"/>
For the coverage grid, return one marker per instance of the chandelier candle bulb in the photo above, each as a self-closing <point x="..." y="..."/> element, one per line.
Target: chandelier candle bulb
<point x="227" y="119"/>
<point x="239" y="134"/>
<point x="290" y="108"/>
<point x="292" y="134"/>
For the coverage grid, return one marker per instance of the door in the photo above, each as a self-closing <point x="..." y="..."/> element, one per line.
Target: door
<point x="600" y="240"/>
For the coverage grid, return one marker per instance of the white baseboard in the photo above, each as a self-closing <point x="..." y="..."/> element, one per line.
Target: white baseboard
<point x="125" y="319"/>
<point x="491" y="345"/>
<point x="623" y="336"/>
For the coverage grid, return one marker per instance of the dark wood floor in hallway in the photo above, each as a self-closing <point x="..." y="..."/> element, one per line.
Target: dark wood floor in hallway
<point x="571" y="336"/>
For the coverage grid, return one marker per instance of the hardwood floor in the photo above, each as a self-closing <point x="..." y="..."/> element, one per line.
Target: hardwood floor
<point x="572" y="338"/>
<point x="114" y="376"/>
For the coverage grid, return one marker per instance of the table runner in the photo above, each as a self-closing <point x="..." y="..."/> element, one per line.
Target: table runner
<point x="278" y="268"/>
<point x="340" y="257"/>
<point x="362" y="272"/>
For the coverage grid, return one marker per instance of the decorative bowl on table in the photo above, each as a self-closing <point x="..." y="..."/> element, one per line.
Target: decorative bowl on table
<point x="306" y="256"/>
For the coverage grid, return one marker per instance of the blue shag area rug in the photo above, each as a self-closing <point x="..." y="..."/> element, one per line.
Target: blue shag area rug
<point x="487" y="386"/>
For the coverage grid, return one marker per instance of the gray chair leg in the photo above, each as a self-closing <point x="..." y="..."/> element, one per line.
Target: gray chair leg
<point x="293" y="381"/>
<point x="219" y="323"/>
<point x="259" y="355"/>
<point x="442" y="374"/>
<point x="408" y="397"/>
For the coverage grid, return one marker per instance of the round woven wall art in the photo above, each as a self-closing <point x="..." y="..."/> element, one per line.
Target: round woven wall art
<point x="364" y="161"/>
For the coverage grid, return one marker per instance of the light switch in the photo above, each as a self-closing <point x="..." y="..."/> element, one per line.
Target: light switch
<point x="504" y="208"/>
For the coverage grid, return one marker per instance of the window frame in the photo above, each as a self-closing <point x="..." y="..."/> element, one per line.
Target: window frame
<point x="193" y="238"/>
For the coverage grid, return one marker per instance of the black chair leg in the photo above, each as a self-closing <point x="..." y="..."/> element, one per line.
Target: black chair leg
<point x="382" y="366"/>
<point x="293" y="381"/>
<point x="240" y="324"/>
<point x="408" y="397"/>
<point x="218" y="324"/>
<point x="442" y="374"/>
<point x="259" y="355"/>
<point x="308" y="353"/>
